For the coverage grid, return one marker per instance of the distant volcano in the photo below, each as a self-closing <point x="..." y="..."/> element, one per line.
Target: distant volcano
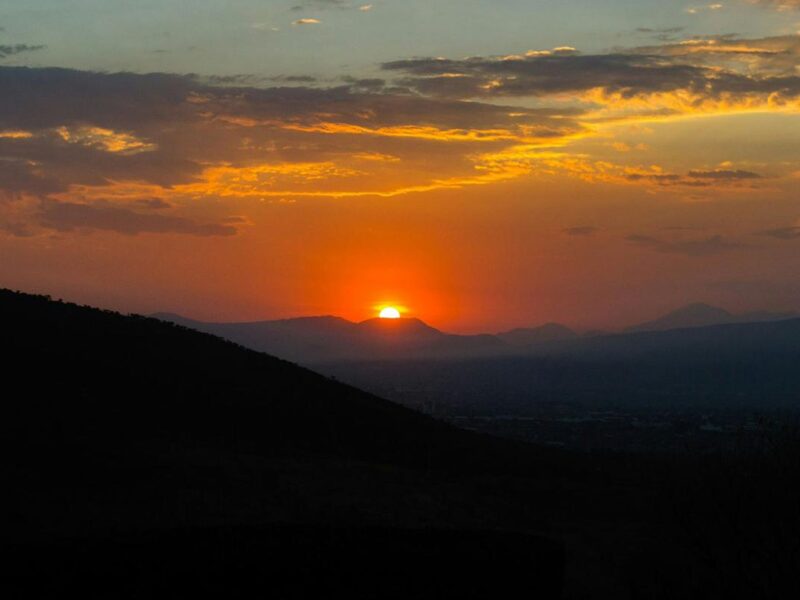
<point x="704" y="315"/>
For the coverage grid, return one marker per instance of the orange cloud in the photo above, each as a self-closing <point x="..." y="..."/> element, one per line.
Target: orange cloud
<point x="105" y="139"/>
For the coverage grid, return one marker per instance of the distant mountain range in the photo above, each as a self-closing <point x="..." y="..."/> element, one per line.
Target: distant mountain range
<point x="738" y="366"/>
<point x="327" y="339"/>
<point x="704" y="315"/>
<point x="312" y="340"/>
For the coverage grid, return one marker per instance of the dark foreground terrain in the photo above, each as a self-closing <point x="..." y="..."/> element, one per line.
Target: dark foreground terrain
<point x="145" y="460"/>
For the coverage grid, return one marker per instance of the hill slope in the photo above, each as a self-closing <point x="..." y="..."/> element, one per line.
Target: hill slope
<point x="93" y="375"/>
<point x="187" y="466"/>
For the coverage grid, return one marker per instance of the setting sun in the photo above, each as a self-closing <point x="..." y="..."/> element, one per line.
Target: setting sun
<point x="390" y="312"/>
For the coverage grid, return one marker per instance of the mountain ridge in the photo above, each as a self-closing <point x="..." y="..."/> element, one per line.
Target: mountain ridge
<point x="327" y="339"/>
<point x="700" y="314"/>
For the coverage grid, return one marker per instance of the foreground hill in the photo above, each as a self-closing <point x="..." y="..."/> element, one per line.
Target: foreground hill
<point x="150" y="460"/>
<point x="145" y="460"/>
<point x="100" y="376"/>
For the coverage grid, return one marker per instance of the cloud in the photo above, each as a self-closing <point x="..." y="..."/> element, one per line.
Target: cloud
<point x="582" y="231"/>
<point x="153" y="203"/>
<point x="306" y="21"/>
<point x="92" y="143"/>
<point x="66" y="216"/>
<point x="693" y="10"/>
<point x="709" y="246"/>
<point x="11" y="50"/>
<point x="778" y="4"/>
<point x="158" y="140"/>
<point x="548" y="74"/>
<point x="724" y="175"/>
<point x="664" y="34"/>
<point x="710" y="74"/>
<point x="695" y="178"/>
<point x="783" y="233"/>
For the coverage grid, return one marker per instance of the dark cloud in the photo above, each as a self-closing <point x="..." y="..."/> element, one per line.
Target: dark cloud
<point x="659" y="178"/>
<point x="153" y="203"/>
<point x="66" y="133"/>
<point x="628" y="73"/>
<point x="548" y="74"/>
<point x="581" y="231"/>
<point x="294" y="79"/>
<point x="11" y="50"/>
<point x="47" y="98"/>
<point x="783" y="233"/>
<point x="694" y="248"/>
<point x="234" y="80"/>
<point x="664" y="34"/>
<point x="369" y="85"/>
<point x="724" y="175"/>
<point x="20" y="176"/>
<point x="67" y="216"/>
<point x="696" y="178"/>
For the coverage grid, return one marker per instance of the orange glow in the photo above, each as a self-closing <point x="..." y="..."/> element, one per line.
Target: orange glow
<point x="390" y="312"/>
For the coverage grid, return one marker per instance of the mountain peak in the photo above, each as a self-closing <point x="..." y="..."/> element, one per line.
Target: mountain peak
<point x="407" y="325"/>
<point x="696" y="314"/>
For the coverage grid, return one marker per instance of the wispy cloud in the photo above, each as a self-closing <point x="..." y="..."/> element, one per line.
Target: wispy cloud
<point x="695" y="75"/>
<point x="68" y="216"/>
<point x="714" y="6"/>
<point x="783" y="5"/>
<point x="695" y="248"/>
<point x="783" y="233"/>
<point x="11" y="50"/>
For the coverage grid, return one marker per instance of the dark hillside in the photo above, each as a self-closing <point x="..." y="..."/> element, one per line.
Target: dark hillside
<point x="86" y="375"/>
<point x="152" y="461"/>
<point x="145" y="460"/>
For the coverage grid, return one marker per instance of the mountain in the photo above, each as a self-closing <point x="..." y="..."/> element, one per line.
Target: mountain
<point x="147" y="460"/>
<point x="150" y="460"/>
<point x="550" y="332"/>
<point x="323" y="340"/>
<point x="703" y="315"/>
<point x="110" y="377"/>
<point x="315" y="340"/>
<point x="738" y="366"/>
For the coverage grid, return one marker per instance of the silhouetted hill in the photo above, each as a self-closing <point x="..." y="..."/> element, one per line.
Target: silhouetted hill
<point x="96" y="375"/>
<point x="704" y="315"/>
<point x="146" y="460"/>
<point x="550" y="332"/>
<point x="150" y="460"/>
<point x="314" y="340"/>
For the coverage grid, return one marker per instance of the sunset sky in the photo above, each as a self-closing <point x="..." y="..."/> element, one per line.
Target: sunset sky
<point x="483" y="163"/>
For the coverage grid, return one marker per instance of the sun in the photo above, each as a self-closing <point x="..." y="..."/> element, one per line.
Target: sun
<point x="390" y="312"/>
